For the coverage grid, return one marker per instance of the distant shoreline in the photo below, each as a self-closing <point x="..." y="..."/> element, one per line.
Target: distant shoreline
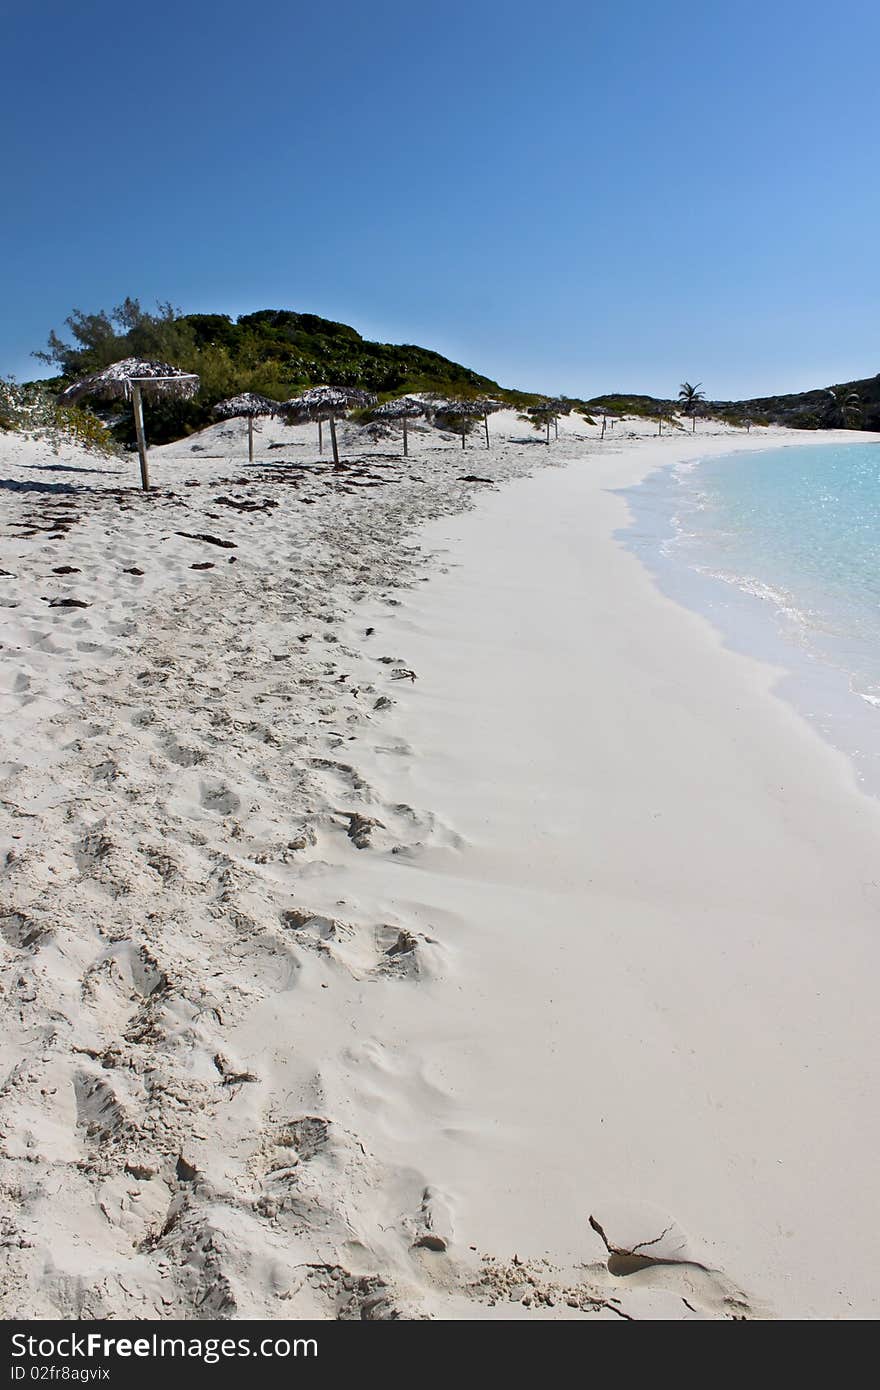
<point x="746" y="615"/>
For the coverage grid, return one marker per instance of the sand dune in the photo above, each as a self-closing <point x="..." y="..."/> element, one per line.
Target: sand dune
<point x="330" y="991"/>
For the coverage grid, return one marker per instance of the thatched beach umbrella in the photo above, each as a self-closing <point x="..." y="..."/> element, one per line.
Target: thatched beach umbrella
<point x="129" y="379"/>
<point x="327" y="403"/>
<point x="402" y="408"/>
<point x="469" y="408"/>
<point x="249" y="404"/>
<point x="606" y="414"/>
<point x="487" y="408"/>
<point x="547" y="412"/>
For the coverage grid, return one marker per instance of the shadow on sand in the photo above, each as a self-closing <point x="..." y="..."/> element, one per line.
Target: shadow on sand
<point x="70" y="468"/>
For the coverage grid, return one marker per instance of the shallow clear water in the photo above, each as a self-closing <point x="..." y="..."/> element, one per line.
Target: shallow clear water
<point x="782" y="549"/>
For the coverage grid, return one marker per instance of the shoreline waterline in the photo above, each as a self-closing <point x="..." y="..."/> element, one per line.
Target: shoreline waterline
<point x="757" y="612"/>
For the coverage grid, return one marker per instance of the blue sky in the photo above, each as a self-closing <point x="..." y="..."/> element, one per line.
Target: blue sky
<point x="568" y="197"/>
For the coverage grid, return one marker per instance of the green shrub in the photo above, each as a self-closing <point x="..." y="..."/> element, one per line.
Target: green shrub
<point x="33" y="410"/>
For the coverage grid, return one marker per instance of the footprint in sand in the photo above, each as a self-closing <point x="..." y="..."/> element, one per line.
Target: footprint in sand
<point x="92" y="850"/>
<point x="180" y="754"/>
<point x="406" y="955"/>
<point x="307" y="1136"/>
<point x="399" y="749"/>
<point x="311" y="927"/>
<point x="345" y="776"/>
<point x="218" y="797"/>
<point x="287" y="1145"/>
<point x="129" y="970"/>
<point x="264" y="964"/>
<point x="22" y="932"/>
<point x="98" y="1110"/>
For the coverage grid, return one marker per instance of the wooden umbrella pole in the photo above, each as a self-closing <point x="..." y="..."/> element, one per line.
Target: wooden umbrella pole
<point x="137" y="406"/>
<point x="333" y="438"/>
<point x="486" y="424"/>
<point x="463" y="432"/>
<point x="405" y="439"/>
<point x="250" y="438"/>
<point x="548" y="431"/>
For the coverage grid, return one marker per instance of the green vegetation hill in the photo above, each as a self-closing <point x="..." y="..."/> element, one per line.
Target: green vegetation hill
<point x="817" y="409"/>
<point x="275" y="351"/>
<point x="851" y="404"/>
<point x="279" y="352"/>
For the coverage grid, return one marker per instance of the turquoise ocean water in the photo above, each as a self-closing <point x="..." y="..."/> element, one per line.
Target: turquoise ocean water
<point x="781" y="549"/>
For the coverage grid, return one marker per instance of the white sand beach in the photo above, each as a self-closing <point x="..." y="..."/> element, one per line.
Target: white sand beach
<point x="393" y="879"/>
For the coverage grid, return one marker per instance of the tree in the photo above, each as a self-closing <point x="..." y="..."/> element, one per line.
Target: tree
<point x="844" y="406"/>
<point x="126" y="331"/>
<point x="691" y="397"/>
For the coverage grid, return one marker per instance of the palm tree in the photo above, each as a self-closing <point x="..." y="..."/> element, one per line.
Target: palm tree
<point x="844" y="406"/>
<point x="690" y="397"/>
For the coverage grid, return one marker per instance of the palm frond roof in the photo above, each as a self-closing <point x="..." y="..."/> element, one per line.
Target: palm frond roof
<point x="159" y="378"/>
<point x="468" y="405"/>
<point x="319" y="402"/>
<point x="247" y="403"/>
<point x="553" y="405"/>
<point x="400" y="408"/>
